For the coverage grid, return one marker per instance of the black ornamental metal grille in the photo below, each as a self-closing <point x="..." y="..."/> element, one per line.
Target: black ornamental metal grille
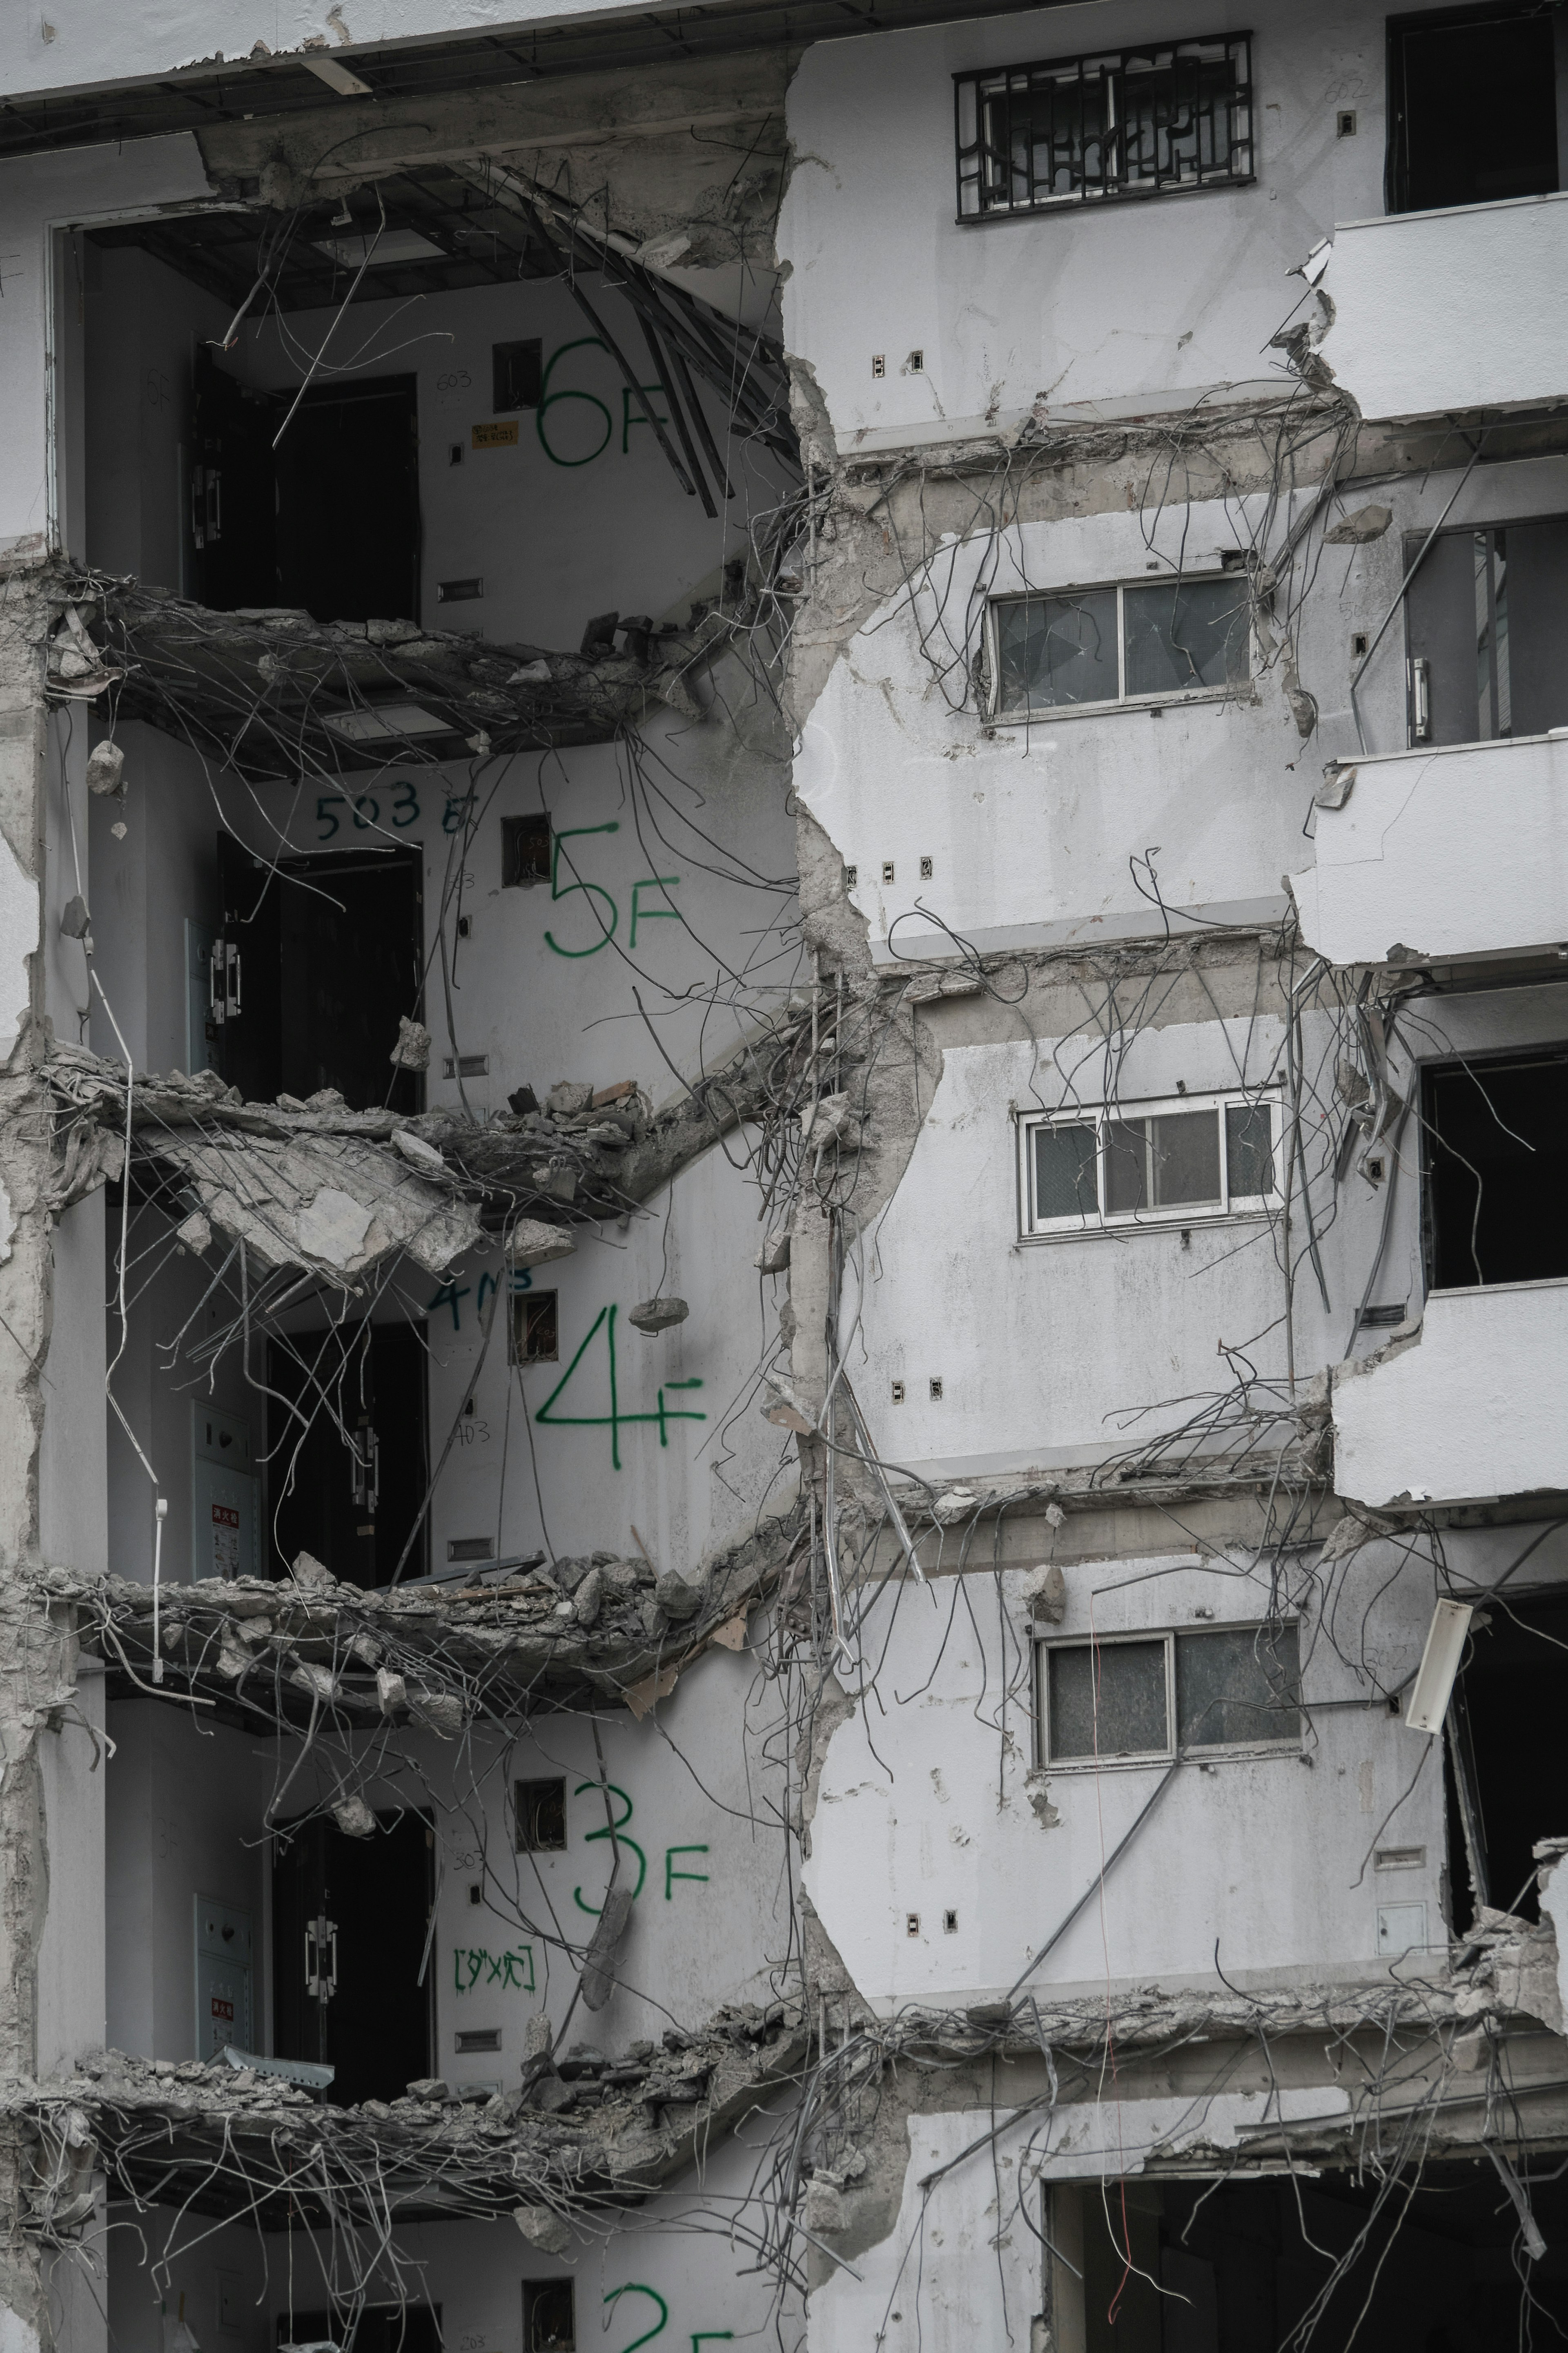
<point x="1151" y="122"/>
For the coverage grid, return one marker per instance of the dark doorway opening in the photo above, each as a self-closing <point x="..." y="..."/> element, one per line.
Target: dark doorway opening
<point x="1510" y="1762"/>
<point x="1472" y="108"/>
<point x="351" y="1919"/>
<point x="1486" y="616"/>
<point x="1496" y="1134"/>
<point x="1179" y="2266"/>
<point x="379" y="2328"/>
<point x="349" y="1488"/>
<point x="330" y="520"/>
<point x="317" y="959"/>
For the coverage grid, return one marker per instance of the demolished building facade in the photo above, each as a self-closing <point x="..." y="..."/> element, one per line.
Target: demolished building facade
<point x="909" y="1079"/>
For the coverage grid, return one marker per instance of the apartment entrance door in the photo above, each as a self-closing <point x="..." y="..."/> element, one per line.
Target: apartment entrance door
<point x="351" y="1920"/>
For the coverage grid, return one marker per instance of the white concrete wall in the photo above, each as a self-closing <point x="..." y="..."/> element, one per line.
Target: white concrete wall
<point x="1400" y="286"/>
<point x="71" y="1957"/>
<point x="1031" y="829"/>
<point x="1471" y="1407"/>
<point x="936" y="1805"/>
<point x="1128" y="301"/>
<point x="700" y="1793"/>
<point x="183" y="1819"/>
<point x="1067" y="1351"/>
<point x="1451" y="851"/>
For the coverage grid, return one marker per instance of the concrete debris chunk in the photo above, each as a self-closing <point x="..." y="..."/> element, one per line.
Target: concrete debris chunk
<point x="653" y="1316"/>
<point x="822" y="2208"/>
<point x="391" y="1690"/>
<point x="590" y="1594"/>
<point x="320" y="1682"/>
<point x="332" y="1226"/>
<point x="196" y="1233"/>
<point x="428" y="2087"/>
<point x="774" y="1256"/>
<point x="543" y="2229"/>
<point x="533" y="1242"/>
<point x="412" y="1052"/>
<point x="1357" y="529"/>
<point x="538" y="2036"/>
<point x="440" y="1712"/>
<point x="566" y="1097"/>
<point x="75" y="921"/>
<point x="353" y="1818"/>
<point x="675" y="1597"/>
<point x="599" y="1962"/>
<point x="956" y="1503"/>
<point x="830" y="1120"/>
<point x="105" y="768"/>
<point x="415" y="1151"/>
<point x="1045" y="1594"/>
<point x="308" y="1570"/>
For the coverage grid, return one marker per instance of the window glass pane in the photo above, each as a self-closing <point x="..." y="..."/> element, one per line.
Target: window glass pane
<point x="1131" y="1699"/>
<point x="1185" y="1158"/>
<point x="1239" y="1685"/>
<point x="1249" y="1148"/>
<point x="1185" y="633"/>
<point x="1057" y="649"/>
<point x="1064" y="1173"/>
<point x="1125" y="1141"/>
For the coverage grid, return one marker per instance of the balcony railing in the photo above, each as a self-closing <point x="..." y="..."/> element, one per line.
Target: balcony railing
<point x="1450" y="310"/>
<point x="1455" y="850"/>
<point x="1468" y="1409"/>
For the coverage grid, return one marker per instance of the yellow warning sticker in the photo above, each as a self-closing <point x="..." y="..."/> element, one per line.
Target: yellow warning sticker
<point x="495" y="437"/>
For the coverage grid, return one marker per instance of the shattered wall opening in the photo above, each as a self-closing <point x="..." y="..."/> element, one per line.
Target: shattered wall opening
<point x="1512" y="1783"/>
<point x="1496" y="1136"/>
<point x="1431" y="2259"/>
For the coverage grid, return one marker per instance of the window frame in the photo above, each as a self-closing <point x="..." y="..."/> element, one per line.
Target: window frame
<point x="1102" y="1116"/>
<point x="1112" y="62"/>
<point x="1047" y="713"/>
<point x="1288" y="1744"/>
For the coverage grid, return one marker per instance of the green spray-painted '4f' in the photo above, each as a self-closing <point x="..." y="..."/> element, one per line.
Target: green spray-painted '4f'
<point x="614" y="1421"/>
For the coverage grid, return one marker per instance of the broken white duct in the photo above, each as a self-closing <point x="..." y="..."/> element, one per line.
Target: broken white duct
<point x="1445" y="1638"/>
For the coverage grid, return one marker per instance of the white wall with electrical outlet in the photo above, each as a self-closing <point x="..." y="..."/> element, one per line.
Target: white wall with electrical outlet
<point x="1096" y="1339"/>
<point x="697" y="1798"/>
<point x="1084" y="306"/>
<point x="1020" y="829"/>
<point x="938" y="1884"/>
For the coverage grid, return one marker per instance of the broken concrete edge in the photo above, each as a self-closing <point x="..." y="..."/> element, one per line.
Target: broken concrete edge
<point x="267" y="1646"/>
<point x="143" y="648"/>
<point x="150" y="2126"/>
<point x="170" y="1115"/>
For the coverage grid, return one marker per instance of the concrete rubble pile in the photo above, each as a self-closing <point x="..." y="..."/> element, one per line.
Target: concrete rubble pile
<point x="421" y="1655"/>
<point x="310" y="1183"/>
<point x="340" y="690"/>
<point x="590" y="2129"/>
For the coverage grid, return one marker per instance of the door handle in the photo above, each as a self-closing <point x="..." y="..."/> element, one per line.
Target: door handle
<point x="224" y="979"/>
<point x="366" y="1468"/>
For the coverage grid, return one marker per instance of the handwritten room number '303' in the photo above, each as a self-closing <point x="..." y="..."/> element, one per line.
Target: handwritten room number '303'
<point x="364" y="813"/>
